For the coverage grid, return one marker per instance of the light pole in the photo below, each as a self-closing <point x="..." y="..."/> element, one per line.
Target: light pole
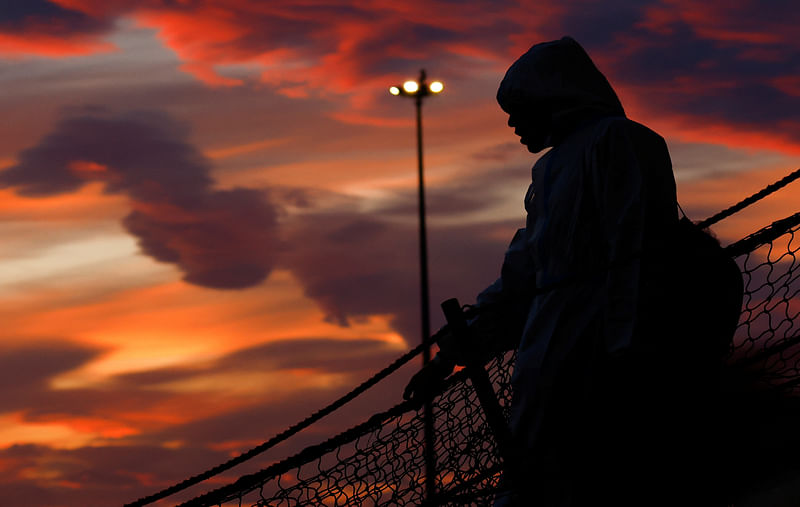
<point x="418" y="90"/>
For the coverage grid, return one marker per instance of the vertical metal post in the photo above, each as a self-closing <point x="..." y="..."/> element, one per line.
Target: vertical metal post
<point x="430" y="456"/>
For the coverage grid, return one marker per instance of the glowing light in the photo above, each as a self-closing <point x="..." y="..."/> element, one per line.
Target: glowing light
<point x="411" y="86"/>
<point x="436" y="86"/>
<point x="394" y="90"/>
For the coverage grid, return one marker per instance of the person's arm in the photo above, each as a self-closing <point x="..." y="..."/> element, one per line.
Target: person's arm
<point x="502" y="308"/>
<point x="497" y="319"/>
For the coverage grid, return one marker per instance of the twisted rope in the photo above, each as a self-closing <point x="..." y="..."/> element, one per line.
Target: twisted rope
<point x="739" y="206"/>
<point x="251" y="481"/>
<point x="290" y="431"/>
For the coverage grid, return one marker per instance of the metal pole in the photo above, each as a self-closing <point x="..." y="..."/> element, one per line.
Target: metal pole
<point x="430" y="456"/>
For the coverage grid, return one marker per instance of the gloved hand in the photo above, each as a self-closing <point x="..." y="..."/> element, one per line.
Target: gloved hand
<point x="428" y="381"/>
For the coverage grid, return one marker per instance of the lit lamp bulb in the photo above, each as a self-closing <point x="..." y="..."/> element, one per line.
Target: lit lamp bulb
<point x="394" y="90"/>
<point x="436" y="87"/>
<point x="411" y="86"/>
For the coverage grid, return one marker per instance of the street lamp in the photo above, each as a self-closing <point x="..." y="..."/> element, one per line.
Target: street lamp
<point x="418" y="90"/>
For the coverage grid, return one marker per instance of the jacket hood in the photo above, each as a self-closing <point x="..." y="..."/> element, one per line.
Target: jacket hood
<point x="560" y="77"/>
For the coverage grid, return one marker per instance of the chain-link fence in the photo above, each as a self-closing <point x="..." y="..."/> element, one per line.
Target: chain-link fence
<point x="381" y="462"/>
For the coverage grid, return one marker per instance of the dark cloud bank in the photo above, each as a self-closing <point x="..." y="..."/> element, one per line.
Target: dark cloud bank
<point x="223" y="239"/>
<point x="353" y="264"/>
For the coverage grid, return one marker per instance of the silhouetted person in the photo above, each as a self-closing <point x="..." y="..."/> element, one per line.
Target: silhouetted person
<point x="603" y="400"/>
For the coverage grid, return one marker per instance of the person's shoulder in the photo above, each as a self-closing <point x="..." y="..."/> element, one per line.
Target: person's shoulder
<point x="623" y="124"/>
<point x="615" y="128"/>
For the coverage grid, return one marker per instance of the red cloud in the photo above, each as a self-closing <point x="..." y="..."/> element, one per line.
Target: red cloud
<point x="330" y="47"/>
<point x="667" y="52"/>
<point x="789" y="85"/>
<point x="343" y="50"/>
<point x="51" y="46"/>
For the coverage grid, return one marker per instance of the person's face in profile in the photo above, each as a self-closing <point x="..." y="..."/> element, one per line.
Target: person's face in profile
<point x="532" y="125"/>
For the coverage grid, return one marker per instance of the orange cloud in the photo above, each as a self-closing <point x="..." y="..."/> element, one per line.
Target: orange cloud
<point x="355" y="118"/>
<point x="104" y="428"/>
<point x="12" y="45"/>
<point x="686" y="129"/>
<point x="84" y="166"/>
<point x="87" y="204"/>
<point x="185" y="324"/>
<point x="241" y="149"/>
<point x="15" y="430"/>
<point x="717" y="193"/>
<point x="649" y="103"/>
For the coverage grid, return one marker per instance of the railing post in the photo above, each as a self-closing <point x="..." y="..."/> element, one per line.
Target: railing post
<point x="429" y="452"/>
<point x="483" y="387"/>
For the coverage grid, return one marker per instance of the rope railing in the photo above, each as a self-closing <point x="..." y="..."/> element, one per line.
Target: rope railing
<point x="380" y="462"/>
<point x="287" y="433"/>
<point x="385" y="457"/>
<point x="739" y="206"/>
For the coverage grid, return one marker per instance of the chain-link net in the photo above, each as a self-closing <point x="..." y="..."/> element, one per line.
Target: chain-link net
<point x="381" y="461"/>
<point x="767" y="341"/>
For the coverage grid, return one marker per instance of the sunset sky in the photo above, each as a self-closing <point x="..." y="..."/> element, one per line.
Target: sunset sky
<point x="208" y="206"/>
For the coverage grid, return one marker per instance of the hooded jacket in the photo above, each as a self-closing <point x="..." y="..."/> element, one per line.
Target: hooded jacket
<point x="575" y="278"/>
